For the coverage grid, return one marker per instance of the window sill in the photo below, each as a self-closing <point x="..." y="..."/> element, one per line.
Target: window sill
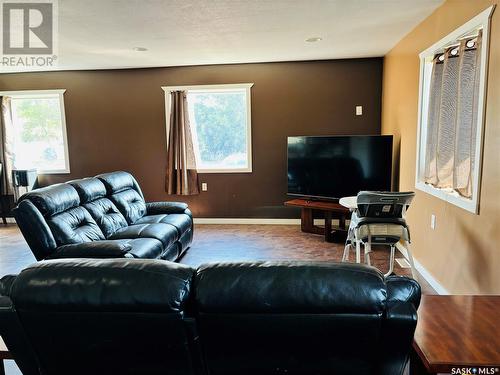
<point x="58" y="171"/>
<point x="449" y="196"/>
<point x="240" y="170"/>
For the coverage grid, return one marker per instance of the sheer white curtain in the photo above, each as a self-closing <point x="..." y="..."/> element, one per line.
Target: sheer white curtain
<point x="452" y="119"/>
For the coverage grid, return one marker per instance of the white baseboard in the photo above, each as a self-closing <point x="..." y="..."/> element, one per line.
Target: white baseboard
<point x="430" y="279"/>
<point x="209" y="220"/>
<point x="10" y="220"/>
<point x="424" y="273"/>
<point x="252" y="221"/>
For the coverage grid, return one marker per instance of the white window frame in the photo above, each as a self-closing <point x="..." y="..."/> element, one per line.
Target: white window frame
<point x="482" y="20"/>
<point x="222" y="87"/>
<point x="35" y="94"/>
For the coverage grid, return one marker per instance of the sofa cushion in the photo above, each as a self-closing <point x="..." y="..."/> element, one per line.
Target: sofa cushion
<point x="181" y="222"/>
<point x="145" y="248"/>
<point x="89" y="189"/>
<point x="106" y="215"/>
<point x="74" y="226"/>
<point x="130" y="204"/>
<point x="94" y="249"/>
<point x="172" y="252"/>
<point x="165" y="233"/>
<point x="54" y="199"/>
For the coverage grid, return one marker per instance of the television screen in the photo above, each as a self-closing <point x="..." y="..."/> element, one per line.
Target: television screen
<point x="335" y="167"/>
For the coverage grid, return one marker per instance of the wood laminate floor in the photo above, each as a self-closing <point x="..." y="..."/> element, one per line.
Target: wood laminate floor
<point x="216" y="243"/>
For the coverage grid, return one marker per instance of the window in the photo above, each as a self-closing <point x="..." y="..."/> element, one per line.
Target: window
<point x="221" y="124"/>
<point x="451" y="114"/>
<point x="39" y="130"/>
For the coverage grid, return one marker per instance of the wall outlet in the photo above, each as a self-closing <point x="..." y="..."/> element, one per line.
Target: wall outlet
<point x="359" y="110"/>
<point x="433" y="221"/>
<point x="204" y="186"/>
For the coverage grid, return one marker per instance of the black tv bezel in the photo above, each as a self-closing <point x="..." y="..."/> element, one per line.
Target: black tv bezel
<point x="320" y="197"/>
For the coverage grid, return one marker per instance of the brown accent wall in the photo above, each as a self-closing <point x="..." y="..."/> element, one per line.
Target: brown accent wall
<point x="116" y="121"/>
<point x="463" y="252"/>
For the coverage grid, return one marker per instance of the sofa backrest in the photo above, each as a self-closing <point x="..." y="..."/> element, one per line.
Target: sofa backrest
<point x="93" y="197"/>
<point x="147" y="316"/>
<point x="300" y="318"/>
<point x="101" y="317"/>
<point x="125" y="193"/>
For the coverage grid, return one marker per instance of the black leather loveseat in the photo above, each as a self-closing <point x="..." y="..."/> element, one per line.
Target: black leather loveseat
<point x="102" y="217"/>
<point x="135" y="316"/>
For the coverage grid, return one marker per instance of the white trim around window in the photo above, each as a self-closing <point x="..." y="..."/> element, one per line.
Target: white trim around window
<point x="481" y="21"/>
<point x="220" y="88"/>
<point x="44" y="94"/>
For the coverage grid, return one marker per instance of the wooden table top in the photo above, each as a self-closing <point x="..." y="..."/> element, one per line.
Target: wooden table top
<point x="458" y="331"/>
<point x="316" y="205"/>
<point x="4" y="352"/>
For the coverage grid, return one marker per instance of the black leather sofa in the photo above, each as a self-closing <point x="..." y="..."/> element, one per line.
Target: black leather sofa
<point x="102" y="217"/>
<point x="134" y="316"/>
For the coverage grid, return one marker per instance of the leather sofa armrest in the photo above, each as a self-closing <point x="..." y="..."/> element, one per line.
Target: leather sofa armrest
<point x="403" y="289"/>
<point x="95" y="249"/>
<point x="155" y="208"/>
<point x="397" y="337"/>
<point x="6" y="284"/>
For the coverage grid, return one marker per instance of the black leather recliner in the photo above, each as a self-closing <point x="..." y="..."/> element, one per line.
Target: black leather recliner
<point x="130" y="316"/>
<point x="98" y="316"/>
<point x="102" y="217"/>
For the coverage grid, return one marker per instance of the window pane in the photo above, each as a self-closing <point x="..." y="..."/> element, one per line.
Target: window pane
<point x="219" y="121"/>
<point x="39" y="141"/>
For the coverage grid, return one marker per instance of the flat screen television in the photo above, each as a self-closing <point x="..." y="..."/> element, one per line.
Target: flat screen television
<point x="332" y="167"/>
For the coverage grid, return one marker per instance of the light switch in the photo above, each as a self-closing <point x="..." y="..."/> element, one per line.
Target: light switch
<point x="433" y="221"/>
<point x="204" y="186"/>
<point x="359" y="110"/>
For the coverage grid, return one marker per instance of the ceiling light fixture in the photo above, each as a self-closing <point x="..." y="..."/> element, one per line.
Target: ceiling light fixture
<point x="314" y="39"/>
<point x="140" y="49"/>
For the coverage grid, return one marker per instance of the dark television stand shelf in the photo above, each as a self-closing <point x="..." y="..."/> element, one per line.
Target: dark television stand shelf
<point x="332" y="210"/>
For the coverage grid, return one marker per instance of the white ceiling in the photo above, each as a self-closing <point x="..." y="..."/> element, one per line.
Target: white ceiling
<point x="101" y="34"/>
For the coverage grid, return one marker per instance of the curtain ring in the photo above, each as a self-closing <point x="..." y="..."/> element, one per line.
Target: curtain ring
<point x="470" y="43"/>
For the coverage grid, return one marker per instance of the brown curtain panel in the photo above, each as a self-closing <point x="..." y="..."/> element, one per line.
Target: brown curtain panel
<point x="452" y="117"/>
<point x="182" y="177"/>
<point x="6" y="146"/>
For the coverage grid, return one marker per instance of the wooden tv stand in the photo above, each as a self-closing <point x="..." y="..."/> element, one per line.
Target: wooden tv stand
<point x="332" y="210"/>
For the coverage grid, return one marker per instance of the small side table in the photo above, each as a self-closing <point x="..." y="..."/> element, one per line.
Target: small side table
<point x="330" y="209"/>
<point x="4" y="354"/>
<point x="456" y="334"/>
